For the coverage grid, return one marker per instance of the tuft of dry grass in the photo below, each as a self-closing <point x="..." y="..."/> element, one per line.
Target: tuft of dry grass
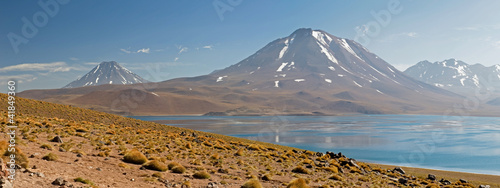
<point x="20" y="156"/>
<point x="301" y="170"/>
<point x="156" y="165"/>
<point x="50" y="157"/>
<point x="179" y="169"/>
<point x="201" y="175"/>
<point x="252" y="183"/>
<point x="135" y="157"/>
<point x="298" y="183"/>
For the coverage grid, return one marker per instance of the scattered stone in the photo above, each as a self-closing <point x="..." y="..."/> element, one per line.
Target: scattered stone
<point x="5" y="183"/>
<point x="399" y="170"/>
<point x="319" y="154"/>
<point x="403" y="181"/>
<point x="223" y="171"/>
<point x="39" y="174"/>
<point x="3" y="169"/>
<point x="309" y="166"/>
<point x="34" y="167"/>
<point x="484" y="186"/>
<point x="107" y="158"/>
<point x="132" y="179"/>
<point x="463" y="181"/>
<point x="62" y="150"/>
<point x="60" y="181"/>
<point x="98" y="169"/>
<point x="212" y="185"/>
<point x="431" y="177"/>
<point x="57" y="139"/>
<point x="445" y="182"/>
<point x="79" y="155"/>
<point x="142" y="168"/>
<point x="194" y="135"/>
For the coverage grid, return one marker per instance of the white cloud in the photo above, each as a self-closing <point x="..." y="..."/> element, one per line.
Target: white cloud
<point x="210" y="47"/>
<point x="92" y="63"/>
<point x="497" y="44"/>
<point x="479" y="28"/>
<point x="19" y="78"/>
<point x="144" y="50"/>
<point x="176" y="59"/>
<point x="126" y="51"/>
<point x="182" y="49"/>
<point x="51" y="67"/>
<point x="73" y="59"/>
<point x="411" y="34"/>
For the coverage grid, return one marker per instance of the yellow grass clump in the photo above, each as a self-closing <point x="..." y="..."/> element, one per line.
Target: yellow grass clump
<point x="135" y="157"/>
<point x="156" y="165"/>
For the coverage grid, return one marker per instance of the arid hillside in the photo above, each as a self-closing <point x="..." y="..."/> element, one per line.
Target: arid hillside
<point x="64" y="146"/>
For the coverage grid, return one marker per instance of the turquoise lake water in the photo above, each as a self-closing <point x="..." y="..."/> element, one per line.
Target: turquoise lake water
<point x="467" y="144"/>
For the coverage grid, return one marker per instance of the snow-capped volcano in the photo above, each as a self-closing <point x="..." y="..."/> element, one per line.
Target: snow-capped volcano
<point x="316" y="59"/>
<point x="108" y="72"/>
<point x="456" y="75"/>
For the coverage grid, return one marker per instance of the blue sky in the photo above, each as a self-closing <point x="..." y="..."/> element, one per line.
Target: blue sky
<point x="160" y="40"/>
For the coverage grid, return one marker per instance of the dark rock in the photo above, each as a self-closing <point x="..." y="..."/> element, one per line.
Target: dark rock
<point x="319" y="154"/>
<point x="60" y="181"/>
<point x="98" y="169"/>
<point x="463" y="181"/>
<point x="309" y="166"/>
<point x="106" y="159"/>
<point x="223" y="171"/>
<point x="212" y="185"/>
<point x="399" y="170"/>
<point x="142" y="168"/>
<point x="5" y="183"/>
<point x="431" y="177"/>
<point x="403" y="181"/>
<point x="79" y="155"/>
<point x="444" y="182"/>
<point x="57" y="139"/>
<point x="62" y="150"/>
<point x="194" y="135"/>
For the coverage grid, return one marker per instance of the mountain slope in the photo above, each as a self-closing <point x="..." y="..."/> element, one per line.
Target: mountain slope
<point x="108" y="72"/>
<point x="456" y="75"/>
<point x="314" y="59"/>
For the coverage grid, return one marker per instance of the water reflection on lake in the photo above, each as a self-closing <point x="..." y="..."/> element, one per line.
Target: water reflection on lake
<point x="469" y="144"/>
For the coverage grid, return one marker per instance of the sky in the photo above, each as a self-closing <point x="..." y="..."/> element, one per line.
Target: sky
<point x="46" y="44"/>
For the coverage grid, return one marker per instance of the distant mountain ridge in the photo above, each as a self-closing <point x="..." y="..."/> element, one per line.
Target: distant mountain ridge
<point x="108" y="72"/>
<point x="456" y="75"/>
<point x="309" y="72"/>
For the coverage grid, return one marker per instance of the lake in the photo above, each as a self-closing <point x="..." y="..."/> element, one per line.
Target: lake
<point x="466" y="144"/>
